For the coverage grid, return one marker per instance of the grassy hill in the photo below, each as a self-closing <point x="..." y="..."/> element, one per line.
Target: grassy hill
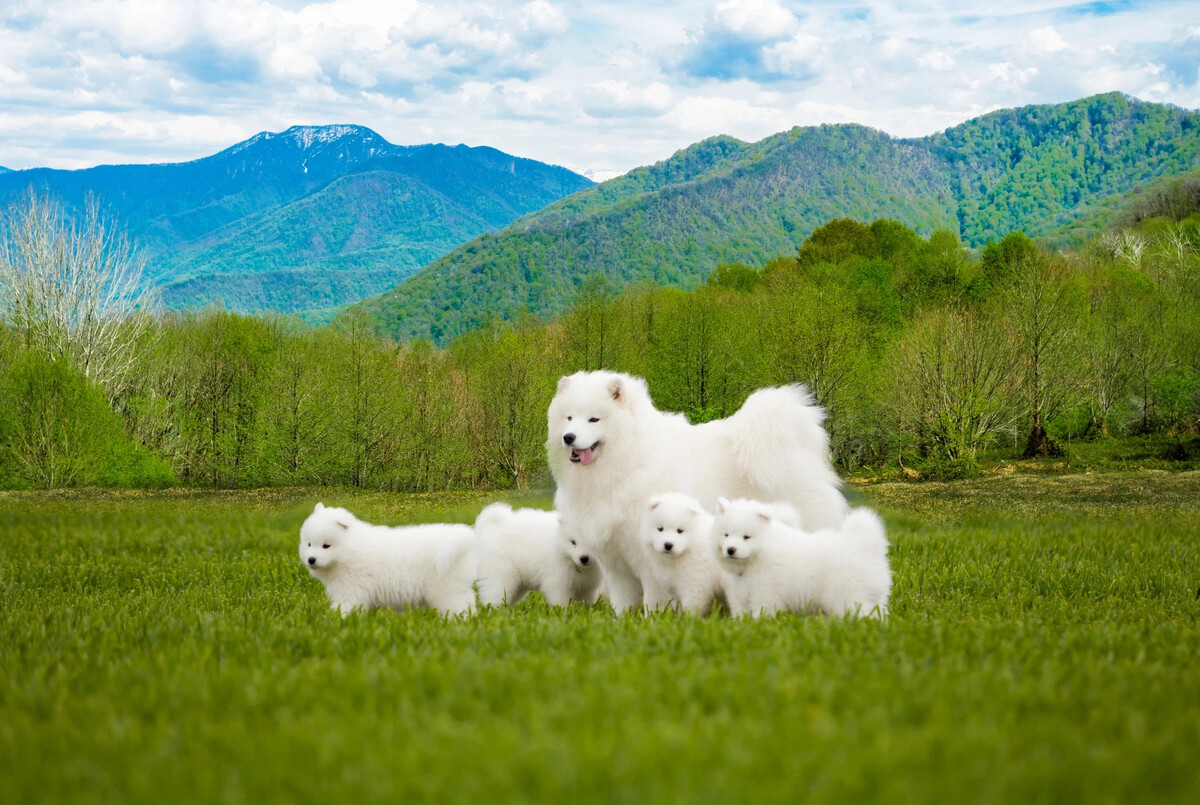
<point x="1035" y="169"/>
<point x="333" y="213"/>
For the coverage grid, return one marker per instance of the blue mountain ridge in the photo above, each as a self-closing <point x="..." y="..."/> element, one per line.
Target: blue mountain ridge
<point x="311" y="217"/>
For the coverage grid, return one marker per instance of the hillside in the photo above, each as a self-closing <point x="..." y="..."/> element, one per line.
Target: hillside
<point x="1035" y="169"/>
<point x="310" y="216"/>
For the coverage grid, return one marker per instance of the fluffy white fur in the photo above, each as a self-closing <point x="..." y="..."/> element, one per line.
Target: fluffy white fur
<point x="525" y="550"/>
<point x="365" y="566"/>
<point x="684" y="570"/>
<point x="776" y="567"/>
<point x="610" y="450"/>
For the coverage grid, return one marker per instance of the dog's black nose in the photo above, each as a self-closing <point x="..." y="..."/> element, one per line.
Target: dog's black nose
<point x="731" y="551"/>
<point x="312" y="560"/>
<point x="568" y="438"/>
<point x="583" y="560"/>
<point x="667" y="546"/>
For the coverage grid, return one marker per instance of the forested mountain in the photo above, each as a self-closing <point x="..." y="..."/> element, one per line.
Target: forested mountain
<point x="1034" y="169"/>
<point x="310" y="217"/>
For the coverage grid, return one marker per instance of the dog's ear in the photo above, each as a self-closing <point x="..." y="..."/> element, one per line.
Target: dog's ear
<point x="722" y="503"/>
<point x="343" y="525"/>
<point x="616" y="389"/>
<point x="766" y="518"/>
<point x="655" y="502"/>
<point x="563" y="382"/>
<point x="319" y="507"/>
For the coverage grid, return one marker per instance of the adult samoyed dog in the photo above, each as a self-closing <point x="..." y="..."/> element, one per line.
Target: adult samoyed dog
<point x="775" y="566"/>
<point x="525" y="550"/>
<point x="610" y="449"/>
<point x="366" y="566"/>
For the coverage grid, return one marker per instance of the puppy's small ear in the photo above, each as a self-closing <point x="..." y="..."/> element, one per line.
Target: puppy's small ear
<point x="766" y="518"/>
<point x="563" y="382"/>
<point x="616" y="389"/>
<point x="319" y="507"/>
<point x="655" y="502"/>
<point x="343" y="525"/>
<point x="722" y="503"/>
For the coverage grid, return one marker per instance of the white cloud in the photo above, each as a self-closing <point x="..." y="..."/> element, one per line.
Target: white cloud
<point x="935" y="60"/>
<point x="794" y="55"/>
<point x="1045" y="40"/>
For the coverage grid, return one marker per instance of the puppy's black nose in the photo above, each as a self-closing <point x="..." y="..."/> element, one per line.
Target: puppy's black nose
<point x="667" y="546"/>
<point x="731" y="551"/>
<point x="568" y="438"/>
<point x="583" y="560"/>
<point x="312" y="560"/>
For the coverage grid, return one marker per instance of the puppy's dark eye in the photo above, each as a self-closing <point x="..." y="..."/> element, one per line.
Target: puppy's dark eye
<point x="326" y="546"/>
<point x="660" y="528"/>
<point x="594" y="419"/>
<point x="746" y="537"/>
<point x="679" y="531"/>
<point x="568" y="419"/>
<point x="572" y="542"/>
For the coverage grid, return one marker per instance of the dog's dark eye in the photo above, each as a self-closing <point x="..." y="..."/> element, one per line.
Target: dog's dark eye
<point x="660" y="528"/>
<point x="572" y="542"/>
<point x="679" y="531"/>
<point x="746" y="537"/>
<point x="594" y="419"/>
<point x="326" y="546"/>
<point x="568" y="419"/>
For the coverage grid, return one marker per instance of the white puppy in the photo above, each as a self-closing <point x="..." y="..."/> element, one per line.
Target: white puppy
<point x="367" y="566"/>
<point x="525" y="550"/>
<point x="774" y="566"/>
<point x="685" y="572"/>
<point x="610" y="450"/>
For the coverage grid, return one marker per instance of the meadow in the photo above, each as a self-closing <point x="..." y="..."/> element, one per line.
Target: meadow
<point x="1043" y="646"/>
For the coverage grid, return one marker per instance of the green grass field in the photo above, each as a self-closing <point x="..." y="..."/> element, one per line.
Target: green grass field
<point x="168" y="647"/>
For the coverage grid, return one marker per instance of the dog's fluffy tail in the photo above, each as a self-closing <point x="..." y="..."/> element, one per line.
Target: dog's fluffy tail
<point x="493" y="516"/>
<point x="786" y="415"/>
<point x="864" y="530"/>
<point x="781" y="448"/>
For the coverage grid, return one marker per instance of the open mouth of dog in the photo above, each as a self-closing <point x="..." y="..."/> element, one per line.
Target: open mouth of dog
<point x="584" y="455"/>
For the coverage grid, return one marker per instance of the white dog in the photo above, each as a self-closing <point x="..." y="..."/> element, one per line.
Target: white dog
<point x="685" y="572"/>
<point x="610" y="450"/>
<point x="774" y="566"/>
<point x="525" y="550"/>
<point x="367" y="566"/>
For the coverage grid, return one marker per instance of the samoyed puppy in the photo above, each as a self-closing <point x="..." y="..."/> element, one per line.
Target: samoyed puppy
<point x="684" y="569"/>
<point x="773" y="566"/>
<point x="525" y="550"/>
<point x="365" y="566"/>
<point x="610" y="449"/>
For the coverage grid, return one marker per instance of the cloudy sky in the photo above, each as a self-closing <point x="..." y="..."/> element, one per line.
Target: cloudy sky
<point x="601" y="85"/>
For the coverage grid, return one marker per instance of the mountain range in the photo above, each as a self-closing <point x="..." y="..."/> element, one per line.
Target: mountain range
<point x="308" y="218"/>
<point x="1039" y="169"/>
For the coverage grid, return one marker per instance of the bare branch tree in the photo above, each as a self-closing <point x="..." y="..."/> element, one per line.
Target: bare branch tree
<point x="71" y="287"/>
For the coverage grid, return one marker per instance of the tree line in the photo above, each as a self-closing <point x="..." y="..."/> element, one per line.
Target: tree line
<point x="925" y="354"/>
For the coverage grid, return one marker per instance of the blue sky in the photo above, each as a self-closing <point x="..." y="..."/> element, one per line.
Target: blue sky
<point x="598" y="85"/>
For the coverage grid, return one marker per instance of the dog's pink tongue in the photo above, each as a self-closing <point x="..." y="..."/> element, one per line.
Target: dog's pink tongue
<point x="585" y="456"/>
